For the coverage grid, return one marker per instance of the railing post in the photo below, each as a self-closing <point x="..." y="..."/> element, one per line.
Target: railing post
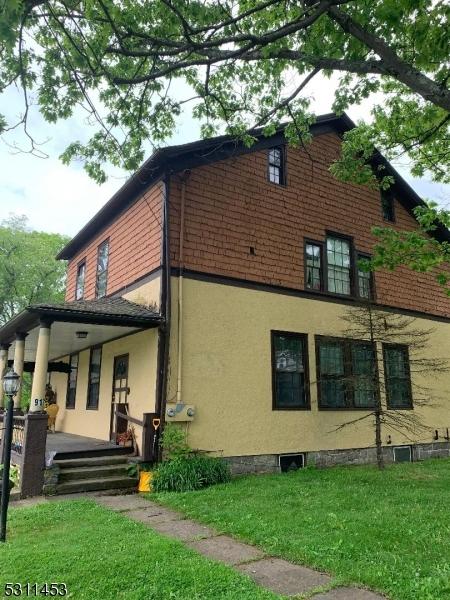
<point x="150" y="438"/>
<point x="33" y="454"/>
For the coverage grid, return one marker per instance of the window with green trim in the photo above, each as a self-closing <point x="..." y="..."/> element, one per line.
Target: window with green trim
<point x="397" y="376"/>
<point x="290" y="370"/>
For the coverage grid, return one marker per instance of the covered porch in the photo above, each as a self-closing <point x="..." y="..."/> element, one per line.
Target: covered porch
<point x="75" y="347"/>
<point x="70" y="445"/>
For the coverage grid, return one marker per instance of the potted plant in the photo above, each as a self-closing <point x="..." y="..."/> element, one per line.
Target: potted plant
<point x="125" y="438"/>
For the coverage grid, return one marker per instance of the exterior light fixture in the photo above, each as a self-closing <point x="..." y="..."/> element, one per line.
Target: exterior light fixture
<point x="81" y="335"/>
<point x="11" y="384"/>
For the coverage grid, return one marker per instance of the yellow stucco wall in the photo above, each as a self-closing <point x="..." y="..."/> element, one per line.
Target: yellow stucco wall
<point x="142" y="349"/>
<point x="148" y="293"/>
<point x="226" y="372"/>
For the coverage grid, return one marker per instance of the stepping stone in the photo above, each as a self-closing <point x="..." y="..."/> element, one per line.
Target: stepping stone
<point x="153" y="515"/>
<point x="285" y="578"/>
<point x="226" y="550"/>
<point x="184" y="530"/>
<point x="349" y="594"/>
<point x="121" y="503"/>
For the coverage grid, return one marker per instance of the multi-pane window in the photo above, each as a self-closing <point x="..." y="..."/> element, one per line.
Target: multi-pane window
<point x="276" y="165"/>
<point x="339" y="265"/>
<point x="290" y="370"/>
<point x="102" y="268"/>
<point x="72" y="381"/>
<point x="313" y="254"/>
<point x="95" y="363"/>
<point x="346" y="373"/>
<point x="364" y="278"/>
<point x="387" y="205"/>
<point x="397" y="376"/>
<point x="81" y="275"/>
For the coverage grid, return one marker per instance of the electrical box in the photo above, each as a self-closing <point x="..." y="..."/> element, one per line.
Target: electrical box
<point x="179" y="412"/>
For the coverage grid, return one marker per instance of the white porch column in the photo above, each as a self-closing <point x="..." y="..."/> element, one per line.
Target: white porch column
<point x="19" y="354"/>
<point x="3" y="366"/>
<point x="40" y="368"/>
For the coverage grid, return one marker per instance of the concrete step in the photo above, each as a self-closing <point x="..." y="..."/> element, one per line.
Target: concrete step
<point x="92" y="472"/>
<point x="91" y="462"/>
<point x="93" y="485"/>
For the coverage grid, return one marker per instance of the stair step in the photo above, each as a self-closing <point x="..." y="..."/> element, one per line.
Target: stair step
<point x="92" y="472"/>
<point x="90" y="462"/>
<point x="93" y="485"/>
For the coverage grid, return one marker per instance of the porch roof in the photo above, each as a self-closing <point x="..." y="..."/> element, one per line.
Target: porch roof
<point x="114" y="312"/>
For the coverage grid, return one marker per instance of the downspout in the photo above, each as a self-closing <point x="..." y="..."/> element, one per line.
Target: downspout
<point x="164" y="329"/>
<point x="184" y="179"/>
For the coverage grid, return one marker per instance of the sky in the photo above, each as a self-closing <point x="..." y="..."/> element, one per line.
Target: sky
<point x="61" y="199"/>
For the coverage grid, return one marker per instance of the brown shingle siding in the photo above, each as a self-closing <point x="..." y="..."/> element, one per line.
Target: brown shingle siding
<point x="230" y="206"/>
<point x="134" y="248"/>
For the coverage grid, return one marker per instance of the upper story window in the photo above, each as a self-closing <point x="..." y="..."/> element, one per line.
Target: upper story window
<point x="81" y="275"/>
<point x="387" y="206"/>
<point x="365" y="278"/>
<point x="276" y="168"/>
<point x="397" y="376"/>
<point x="102" y="269"/>
<point x="345" y="373"/>
<point x="314" y="270"/>
<point x="290" y="371"/>
<point x="339" y="266"/>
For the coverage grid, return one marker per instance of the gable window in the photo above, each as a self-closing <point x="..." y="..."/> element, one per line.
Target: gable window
<point x="102" y="269"/>
<point x="397" y="376"/>
<point x="290" y="383"/>
<point x="313" y="256"/>
<point x="81" y="275"/>
<point x="72" y="381"/>
<point x="365" y="278"/>
<point x="387" y="206"/>
<point x="339" y="265"/>
<point x="95" y="363"/>
<point x="276" y="165"/>
<point x="345" y="373"/>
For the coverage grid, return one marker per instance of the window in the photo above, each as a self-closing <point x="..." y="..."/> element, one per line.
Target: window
<point x="72" y="381"/>
<point x="95" y="362"/>
<point x="313" y="259"/>
<point x="81" y="274"/>
<point x="345" y="373"/>
<point x="276" y="165"/>
<point x="397" y="376"/>
<point x="339" y="265"/>
<point x="290" y="371"/>
<point x="365" y="278"/>
<point x="102" y="268"/>
<point x="387" y="206"/>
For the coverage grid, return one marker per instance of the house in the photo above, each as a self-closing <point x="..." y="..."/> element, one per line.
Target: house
<point x="210" y="291"/>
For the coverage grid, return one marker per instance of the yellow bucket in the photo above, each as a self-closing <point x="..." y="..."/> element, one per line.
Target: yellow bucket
<point x="145" y="481"/>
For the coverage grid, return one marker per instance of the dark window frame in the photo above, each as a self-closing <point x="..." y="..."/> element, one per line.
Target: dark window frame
<point x="347" y="357"/>
<point x="372" y="291"/>
<point x="98" y="273"/>
<point x="282" y="166"/>
<point x="386" y="196"/>
<point x="70" y="405"/>
<point x="405" y="350"/>
<point x="304" y="338"/>
<point x="82" y="263"/>
<point x="91" y="351"/>
<point x="350" y="240"/>
<point x="321" y="245"/>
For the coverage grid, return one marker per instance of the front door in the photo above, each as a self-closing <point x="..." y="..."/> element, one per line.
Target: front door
<point x="120" y="391"/>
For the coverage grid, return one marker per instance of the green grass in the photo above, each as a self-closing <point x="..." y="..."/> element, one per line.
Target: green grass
<point x="103" y="555"/>
<point x="388" y="531"/>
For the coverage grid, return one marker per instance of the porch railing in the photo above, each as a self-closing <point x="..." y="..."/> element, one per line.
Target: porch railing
<point x="150" y="430"/>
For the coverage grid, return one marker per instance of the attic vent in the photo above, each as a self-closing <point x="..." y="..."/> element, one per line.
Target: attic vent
<point x="291" y="462"/>
<point x="402" y="454"/>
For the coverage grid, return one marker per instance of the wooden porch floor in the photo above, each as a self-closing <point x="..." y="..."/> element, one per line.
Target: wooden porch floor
<point x="69" y="445"/>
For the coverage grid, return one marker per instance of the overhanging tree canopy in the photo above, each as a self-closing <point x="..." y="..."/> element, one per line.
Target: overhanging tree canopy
<point x="244" y="63"/>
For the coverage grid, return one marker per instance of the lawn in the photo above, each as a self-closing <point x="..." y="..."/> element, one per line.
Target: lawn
<point x="101" y="555"/>
<point x="389" y="531"/>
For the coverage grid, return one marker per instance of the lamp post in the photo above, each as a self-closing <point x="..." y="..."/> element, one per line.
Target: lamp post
<point x="11" y="384"/>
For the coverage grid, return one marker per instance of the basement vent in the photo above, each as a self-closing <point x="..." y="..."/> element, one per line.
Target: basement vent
<point x="402" y="454"/>
<point x="291" y="462"/>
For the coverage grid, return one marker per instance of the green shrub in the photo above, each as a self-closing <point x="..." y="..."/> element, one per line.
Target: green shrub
<point x="187" y="474"/>
<point x="173" y="442"/>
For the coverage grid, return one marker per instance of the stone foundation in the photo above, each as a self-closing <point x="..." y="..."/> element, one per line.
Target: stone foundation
<point x="268" y="463"/>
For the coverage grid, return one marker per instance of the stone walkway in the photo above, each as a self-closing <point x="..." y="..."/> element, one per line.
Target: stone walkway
<point x="275" y="574"/>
